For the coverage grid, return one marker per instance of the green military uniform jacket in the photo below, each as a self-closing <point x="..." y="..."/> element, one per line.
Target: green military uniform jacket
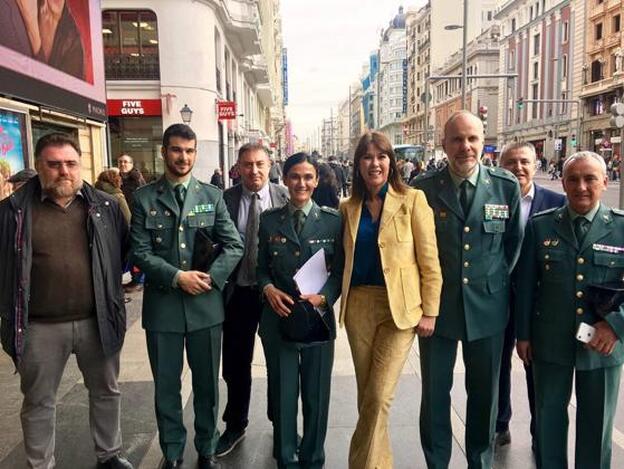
<point x="477" y="251"/>
<point x="162" y="244"/>
<point x="553" y="275"/>
<point x="281" y="252"/>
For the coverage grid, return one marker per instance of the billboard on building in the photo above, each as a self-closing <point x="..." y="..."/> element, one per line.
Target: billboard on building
<point x="13" y="146"/>
<point x="51" y="54"/>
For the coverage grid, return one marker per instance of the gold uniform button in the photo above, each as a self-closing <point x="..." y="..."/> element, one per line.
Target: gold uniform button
<point x="297" y="253"/>
<point x="466" y="264"/>
<point x="547" y="267"/>
<point x="580" y="277"/>
<point x="466" y="229"/>
<point x="159" y="226"/>
<point x="581" y="260"/>
<point x="183" y="262"/>
<point x="466" y="247"/>
<point x="546" y="256"/>
<point x="181" y="228"/>
<point x="465" y="280"/>
<point x="579" y="311"/>
<point x="275" y="253"/>
<point x="159" y="240"/>
<point x="579" y="294"/>
<point x="183" y="246"/>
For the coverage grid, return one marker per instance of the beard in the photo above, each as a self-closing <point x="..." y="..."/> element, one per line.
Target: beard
<point x="61" y="187"/>
<point x="175" y="170"/>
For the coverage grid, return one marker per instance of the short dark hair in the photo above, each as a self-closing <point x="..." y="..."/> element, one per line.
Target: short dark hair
<point x="382" y="142"/>
<point x="298" y="158"/>
<point x="252" y="146"/>
<point x="178" y="130"/>
<point x="55" y="139"/>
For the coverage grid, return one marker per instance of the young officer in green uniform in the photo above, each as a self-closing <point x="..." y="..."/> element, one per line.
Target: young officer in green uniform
<point x="288" y="237"/>
<point x="182" y="307"/>
<point x="477" y="217"/>
<point x="564" y="252"/>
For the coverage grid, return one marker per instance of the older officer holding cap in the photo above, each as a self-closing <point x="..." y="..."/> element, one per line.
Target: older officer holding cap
<point x="566" y="251"/>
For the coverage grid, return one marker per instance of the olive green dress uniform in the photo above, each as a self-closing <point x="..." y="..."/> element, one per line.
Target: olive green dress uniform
<point x="162" y="243"/>
<point x="554" y="272"/>
<point x="477" y="252"/>
<point x="281" y="252"/>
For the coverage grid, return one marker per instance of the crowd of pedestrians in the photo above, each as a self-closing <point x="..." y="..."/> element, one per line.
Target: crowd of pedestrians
<point x="465" y="253"/>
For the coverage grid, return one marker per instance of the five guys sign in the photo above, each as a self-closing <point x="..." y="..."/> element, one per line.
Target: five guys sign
<point x="226" y="110"/>
<point x="134" y="107"/>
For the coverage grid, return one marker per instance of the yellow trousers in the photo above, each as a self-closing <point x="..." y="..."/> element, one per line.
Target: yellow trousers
<point x="379" y="351"/>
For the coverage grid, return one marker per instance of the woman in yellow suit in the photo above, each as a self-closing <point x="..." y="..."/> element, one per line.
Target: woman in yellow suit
<point x="390" y="288"/>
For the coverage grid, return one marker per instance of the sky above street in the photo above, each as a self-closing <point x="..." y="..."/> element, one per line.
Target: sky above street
<point x="328" y="42"/>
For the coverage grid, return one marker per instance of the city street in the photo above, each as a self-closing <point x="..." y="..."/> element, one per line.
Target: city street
<point x="74" y="448"/>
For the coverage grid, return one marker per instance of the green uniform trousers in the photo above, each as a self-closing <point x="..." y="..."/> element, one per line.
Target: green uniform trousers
<point x="482" y="360"/>
<point x="596" y="399"/>
<point x="166" y="354"/>
<point x="289" y="367"/>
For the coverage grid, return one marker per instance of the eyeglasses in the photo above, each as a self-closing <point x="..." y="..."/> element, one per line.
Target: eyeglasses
<point x="71" y="165"/>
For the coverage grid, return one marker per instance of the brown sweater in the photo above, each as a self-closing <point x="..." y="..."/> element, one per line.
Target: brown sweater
<point x="61" y="286"/>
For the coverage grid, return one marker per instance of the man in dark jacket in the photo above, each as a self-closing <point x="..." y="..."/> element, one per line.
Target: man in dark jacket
<point x="52" y="218"/>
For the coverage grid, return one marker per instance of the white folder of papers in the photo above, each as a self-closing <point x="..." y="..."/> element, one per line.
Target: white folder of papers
<point x="311" y="277"/>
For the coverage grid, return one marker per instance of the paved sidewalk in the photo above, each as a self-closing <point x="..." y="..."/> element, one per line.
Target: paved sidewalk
<point x="74" y="449"/>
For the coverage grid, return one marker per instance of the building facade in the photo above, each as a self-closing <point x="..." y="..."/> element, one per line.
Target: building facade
<point x="601" y="73"/>
<point x="229" y="56"/>
<point x="537" y="43"/>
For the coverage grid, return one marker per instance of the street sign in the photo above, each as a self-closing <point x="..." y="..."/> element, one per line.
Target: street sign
<point x="558" y="144"/>
<point x="226" y="110"/>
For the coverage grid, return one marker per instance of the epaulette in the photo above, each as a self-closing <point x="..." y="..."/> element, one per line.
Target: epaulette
<point x="428" y="175"/>
<point x="617" y="211"/>
<point x="545" y="212"/>
<point x="269" y="211"/>
<point x="501" y="173"/>
<point x="330" y="210"/>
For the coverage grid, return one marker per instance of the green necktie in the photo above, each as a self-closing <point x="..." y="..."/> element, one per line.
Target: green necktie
<point x="464" y="196"/>
<point x="180" y="194"/>
<point x="581" y="226"/>
<point x="299" y="221"/>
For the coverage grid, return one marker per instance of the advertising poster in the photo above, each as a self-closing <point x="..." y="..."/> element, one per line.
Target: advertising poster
<point x="51" y="54"/>
<point x="13" y="149"/>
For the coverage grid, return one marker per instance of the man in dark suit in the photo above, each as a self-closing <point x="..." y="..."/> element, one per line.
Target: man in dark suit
<point x="243" y="304"/>
<point x="520" y="159"/>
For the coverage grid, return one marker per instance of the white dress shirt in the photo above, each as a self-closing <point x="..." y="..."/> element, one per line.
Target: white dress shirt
<point x="525" y="205"/>
<point x="264" y="199"/>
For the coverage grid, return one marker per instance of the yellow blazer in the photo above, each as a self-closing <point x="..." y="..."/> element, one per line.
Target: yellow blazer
<point x="408" y="251"/>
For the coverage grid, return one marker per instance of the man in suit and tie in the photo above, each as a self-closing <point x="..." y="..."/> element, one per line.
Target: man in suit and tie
<point x="565" y="251"/>
<point x="520" y="159"/>
<point x="183" y="306"/>
<point x="477" y="216"/>
<point x="243" y="305"/>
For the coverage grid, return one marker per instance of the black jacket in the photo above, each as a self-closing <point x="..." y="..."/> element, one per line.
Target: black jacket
<point x="108" y="239"/>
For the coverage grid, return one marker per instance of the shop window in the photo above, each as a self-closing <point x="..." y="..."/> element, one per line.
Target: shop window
<point x="130" y="40"/>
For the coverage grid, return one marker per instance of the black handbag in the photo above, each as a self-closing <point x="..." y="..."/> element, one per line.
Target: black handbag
<point x="605" y="297"/>
<point x="205" y="251"/>
<point x="305" y="324"/>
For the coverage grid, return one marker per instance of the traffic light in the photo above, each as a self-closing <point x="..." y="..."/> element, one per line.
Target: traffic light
<point x="483" y="116"/>
<point x="617" y="115"/>
<point x="520" y="103"/>
<point x="573" y="140"/>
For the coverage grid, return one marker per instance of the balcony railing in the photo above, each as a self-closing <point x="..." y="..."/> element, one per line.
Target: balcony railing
<point x="129" y="67"/>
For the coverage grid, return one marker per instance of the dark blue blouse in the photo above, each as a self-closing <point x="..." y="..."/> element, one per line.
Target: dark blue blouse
<point x="366" y="259"/>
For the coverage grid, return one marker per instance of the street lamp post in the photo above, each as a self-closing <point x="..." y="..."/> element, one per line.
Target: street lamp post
<point x="464" y="28"/>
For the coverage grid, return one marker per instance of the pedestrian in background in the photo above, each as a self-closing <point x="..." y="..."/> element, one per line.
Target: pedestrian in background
<point x="242" y="298"/>
<point x="288" y="237"/>
<point x="326" y="193"/>
<point x="390" y="288"/>
<point x="340" y="176"/>
<point x="565" y="251"/>
<point x="520" y="159"/>
<point x="109" y="181"/>
<point x="22" y="177"/>
<point x="477" y="217"/>
<point x="217" y="179"/>
<point x="52" y="218"/>
<point x="275" y="173"/>
<point x="182" y="305"/>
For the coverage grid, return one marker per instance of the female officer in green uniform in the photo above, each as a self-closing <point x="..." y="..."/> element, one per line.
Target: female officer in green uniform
<point x="288" y="237"/>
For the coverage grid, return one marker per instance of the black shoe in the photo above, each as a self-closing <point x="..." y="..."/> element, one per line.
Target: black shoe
<point x="228" y="441"/>
<point x="169" y="464"/>
<point x="207" y="462"/>
<point x="503" y="438"/>
<point x="116" y="462"/>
